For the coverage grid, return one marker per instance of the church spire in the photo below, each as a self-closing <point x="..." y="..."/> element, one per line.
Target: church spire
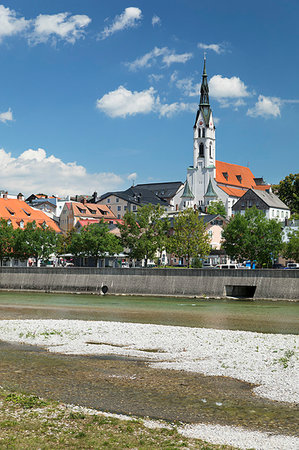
<point x="204" y="89"/>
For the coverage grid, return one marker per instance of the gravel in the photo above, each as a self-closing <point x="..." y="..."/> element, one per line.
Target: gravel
<point x="269" y="361"/>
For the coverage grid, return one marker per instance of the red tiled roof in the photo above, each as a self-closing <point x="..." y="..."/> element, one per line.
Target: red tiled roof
<point x="18" y="210"/>
<point x="92" y="210"/>
<point x="233" y="192"/>
<point x="236" y="176"/>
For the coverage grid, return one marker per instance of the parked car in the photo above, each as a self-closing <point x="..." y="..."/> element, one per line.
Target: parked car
<point x="277" y="266"/>
<point x="292" y="266"/>
<point x="227" y="266"/>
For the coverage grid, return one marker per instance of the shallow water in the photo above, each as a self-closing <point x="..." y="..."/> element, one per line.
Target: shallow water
<point x="259" y="315"/>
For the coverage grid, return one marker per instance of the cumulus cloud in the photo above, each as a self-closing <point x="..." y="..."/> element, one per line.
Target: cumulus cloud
<point x="222" y="87"/>
<point x="34" y="171"/>
<point x="156" y="20"/>
<point x="265" y="107"/>
<point x="10" y="24"/>
<point x="59" y="26"/>
<point x="6" y="116"/>
<point x="217" y="48"/>
<point x="168" y="57"/>
<point x="123" y="103"/>
<point x="128" y="19"/>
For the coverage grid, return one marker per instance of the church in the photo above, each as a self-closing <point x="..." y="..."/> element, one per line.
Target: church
<point x="209" y="180"/>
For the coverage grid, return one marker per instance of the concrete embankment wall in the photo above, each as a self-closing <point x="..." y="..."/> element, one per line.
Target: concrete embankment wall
<point x="268" y="284"/>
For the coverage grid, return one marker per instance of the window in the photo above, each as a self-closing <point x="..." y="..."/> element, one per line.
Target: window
<point x="108" y="200"/>
<point x="201" y="150"/>
<point x="210" y="149"/>
<point x="134" y="207"/>
<point x="118" y="216"/>
<point x="10" y="211"/>
<point x="225" y="174"/>
<point x="26" y="212"/>
<point x="119" y="208"/>
<point x="203" y="133"/>
<point x="22" y="224"/>
<point x="199" y="132"/>
<point x="117" y="200"/>
<point x="239" y="178"/>
<point x="9" y="222"/>
<point x="125" y="208"/>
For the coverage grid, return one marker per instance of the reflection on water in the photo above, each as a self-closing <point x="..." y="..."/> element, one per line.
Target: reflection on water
<point x="262" y="316"/>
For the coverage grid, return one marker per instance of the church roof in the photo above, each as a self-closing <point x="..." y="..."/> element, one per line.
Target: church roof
<point x="233" y="192"/>
<point x="163" y="190"/>
<point x="236" y="176"/>
<point x="210" y="191"/>
<point x="187" y="191"/>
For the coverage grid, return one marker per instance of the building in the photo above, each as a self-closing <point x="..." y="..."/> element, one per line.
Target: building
<point x="74" y="212"/>
<point x="209" y="180"/>
<point x="131" y="199"/>
<point x="50" y="205"/>
<point x="18" y="213"/>
<point x="265" y="201"/>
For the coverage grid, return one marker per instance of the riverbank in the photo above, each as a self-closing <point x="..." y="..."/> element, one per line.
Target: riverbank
<point x="255" y="284"/>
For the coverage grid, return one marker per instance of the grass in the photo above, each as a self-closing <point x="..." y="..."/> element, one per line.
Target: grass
<point x="28" y="422"/>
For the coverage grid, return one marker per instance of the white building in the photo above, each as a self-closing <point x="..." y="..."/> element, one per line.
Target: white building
<point x="209" y="180"/>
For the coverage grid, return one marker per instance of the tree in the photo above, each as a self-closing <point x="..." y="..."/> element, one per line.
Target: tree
<point x="190" y="238"/>
<point x="6" y="240"/>
<point x="145" y="233"/>
<point x="252" y="237"/>
<point x="34" y="241"/>
<point x="95" y="240"/>
<point x="217" y="208"/>
<point x="288" y="191"/>
<point x="291" y="248"/>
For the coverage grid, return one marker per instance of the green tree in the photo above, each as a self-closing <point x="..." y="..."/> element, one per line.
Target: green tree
<point x="217" y="208"/>
<point x="288" y="191"/>
<point x="146" y="233"/>
<point x="189" y="239"/>
<point x="6" y="240"/>
<point x="252" y="237"/>
<point x="34" y="241"/>
<point x="95" y="240"/>
<point x="291" y="248"/>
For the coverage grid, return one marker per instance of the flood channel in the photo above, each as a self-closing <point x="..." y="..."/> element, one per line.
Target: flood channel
<point x="130" y="386"/>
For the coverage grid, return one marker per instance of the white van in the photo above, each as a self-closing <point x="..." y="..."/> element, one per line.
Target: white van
<point x="292" y="266"/>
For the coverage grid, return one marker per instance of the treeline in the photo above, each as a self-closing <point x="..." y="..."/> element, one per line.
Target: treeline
<point x="145" y="234"/>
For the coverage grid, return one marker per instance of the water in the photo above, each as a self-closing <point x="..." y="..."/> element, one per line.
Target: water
<point x="260" y="316"/>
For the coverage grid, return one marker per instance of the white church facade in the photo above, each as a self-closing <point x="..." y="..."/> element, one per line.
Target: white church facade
<point x="209" y="180"/>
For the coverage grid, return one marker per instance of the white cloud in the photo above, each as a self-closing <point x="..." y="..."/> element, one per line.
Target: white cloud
<point x="128" y="19"/>
<point x="156" y="20"/>
<point x="166" y="110"/>
<point x="265" y="107"/>
<point x="6" y="116"/>
<point x="154" y="78"/>
<point x="186" y="85"/>
<point x="10" y="24"/>
<point x="222" y="87"/>
<point x="122" y="102"/>
<point x="218" y="48"/>
<point x="59" y="26"/>
<point x="33" y="171"/>
<point x="168" y="57"/>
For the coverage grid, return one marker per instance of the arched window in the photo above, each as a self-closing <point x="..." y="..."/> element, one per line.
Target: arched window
<point x="199" y="134"/>
<point x="201" y="150"/>
<point x="210" y="149"/>
<point x="203" y="133"/>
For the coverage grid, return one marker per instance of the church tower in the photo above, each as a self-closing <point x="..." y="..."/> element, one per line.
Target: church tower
<point x="203" y="169"/>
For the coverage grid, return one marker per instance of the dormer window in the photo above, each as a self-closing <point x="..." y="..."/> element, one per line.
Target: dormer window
<point x="225" y="174"/>
<point x="10" y="211"/>
<point x="22" y="224"/>
<point x="239" y="178"/>
<point x="26" y="212"/>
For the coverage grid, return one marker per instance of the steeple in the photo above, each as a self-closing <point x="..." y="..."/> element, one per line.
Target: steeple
<point x="204" y="103"/>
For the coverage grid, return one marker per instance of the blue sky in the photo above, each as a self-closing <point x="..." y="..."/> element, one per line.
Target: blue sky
<point x="96" y="94"/>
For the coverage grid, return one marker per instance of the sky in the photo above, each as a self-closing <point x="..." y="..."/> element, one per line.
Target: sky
<point x="96" y="95"/>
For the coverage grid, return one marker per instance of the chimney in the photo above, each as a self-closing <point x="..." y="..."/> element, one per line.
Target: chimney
<point x="20" y="196"/>
<point x="83" y="201"/>
<point x="94" y="197"/>
<point x="5" y="194"/>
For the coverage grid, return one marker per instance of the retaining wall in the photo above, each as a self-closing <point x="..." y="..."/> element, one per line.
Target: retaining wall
<point x="266" y="283"/>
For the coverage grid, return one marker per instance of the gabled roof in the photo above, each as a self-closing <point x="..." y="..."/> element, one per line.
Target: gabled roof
<point x="270" y="199"/>
<point x="90" y="210"/>
<point x="137" y="196"/>
<point x="233" y="192"/>
<point x="163" y="190"/>
<point x="236" y="176"/>
<point x="19" y="211"/>
<point x="207" y="218"/>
